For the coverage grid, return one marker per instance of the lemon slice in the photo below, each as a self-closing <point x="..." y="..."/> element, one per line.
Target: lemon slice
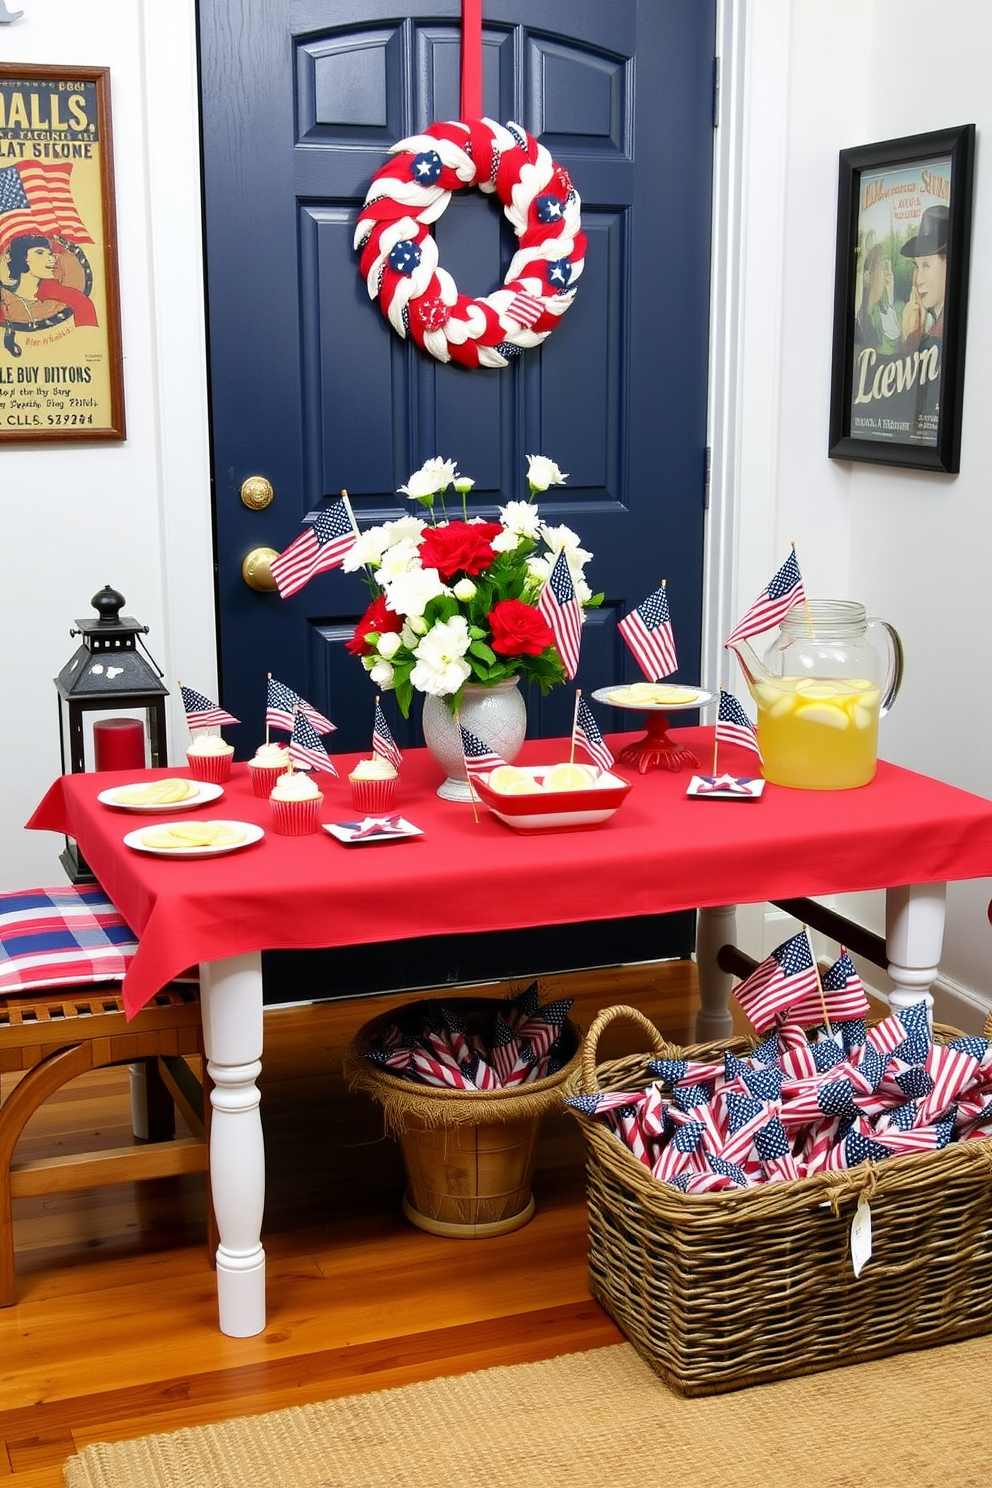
<point x="569" y="777"/>
<point x="525" y="787"/>
<point x="826" y="688"/>
<point x="507" y="779"/>
<point x="673" y="693"/>
<point x="824" y="713"/>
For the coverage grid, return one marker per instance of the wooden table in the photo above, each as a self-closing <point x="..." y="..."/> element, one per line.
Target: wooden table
<point x="662" y="851"/>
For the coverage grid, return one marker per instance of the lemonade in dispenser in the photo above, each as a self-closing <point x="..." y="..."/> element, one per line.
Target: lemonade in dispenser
<point x="820" y="691"/>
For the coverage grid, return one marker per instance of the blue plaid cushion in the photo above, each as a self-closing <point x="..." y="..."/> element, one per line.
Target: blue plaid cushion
<point x="61" y="937"/>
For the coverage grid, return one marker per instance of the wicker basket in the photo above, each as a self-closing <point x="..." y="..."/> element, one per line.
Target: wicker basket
<point x="469" y="1155"/>
<point x="723" y="1290"/>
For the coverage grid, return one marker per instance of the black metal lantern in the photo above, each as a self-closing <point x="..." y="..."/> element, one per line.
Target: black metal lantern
<point x="108" y="672"/>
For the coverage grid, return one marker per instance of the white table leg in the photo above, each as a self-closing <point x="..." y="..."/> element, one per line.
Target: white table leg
<point x="914" y="938"/>
<point x="715" y="927"/>
<point x="231" y="998"/>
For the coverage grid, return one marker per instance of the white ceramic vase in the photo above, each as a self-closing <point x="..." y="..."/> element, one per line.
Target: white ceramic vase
<point x="496" y="714"/>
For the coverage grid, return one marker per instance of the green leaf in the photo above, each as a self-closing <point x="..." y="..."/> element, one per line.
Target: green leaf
<point x="479" y="648"/>
<point x="403" y="689"/>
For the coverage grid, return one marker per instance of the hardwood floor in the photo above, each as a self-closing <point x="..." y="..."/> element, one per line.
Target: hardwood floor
<point x="114" y="1334"/>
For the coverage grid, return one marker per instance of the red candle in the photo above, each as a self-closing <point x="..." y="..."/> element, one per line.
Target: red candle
<point x="119" y="744"/>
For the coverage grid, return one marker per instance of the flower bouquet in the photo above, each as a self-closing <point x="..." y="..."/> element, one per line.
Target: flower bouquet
<point x="456" y="601"/>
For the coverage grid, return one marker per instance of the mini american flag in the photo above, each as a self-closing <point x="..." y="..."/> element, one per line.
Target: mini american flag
<point x="321" y="545"/>
<point x="305" y="746"/>
<point x="586" y="734"/>
<point x="281" y="706"/>
<point x="733" y="725"/>
<point x="479" y="758"/>
<point x="201" y="712"/>
<point x="648" y="632"/>
<point x="772" y="1146"/>
<point x="560" y="608"/>
<point x="774" y="602"/>
<point x="843" y="996"/>
<point x="783" y="978"/>
<point x="383" y="742"/>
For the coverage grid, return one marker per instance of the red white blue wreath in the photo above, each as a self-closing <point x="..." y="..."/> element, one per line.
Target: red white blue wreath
<point x="399" y="258"/>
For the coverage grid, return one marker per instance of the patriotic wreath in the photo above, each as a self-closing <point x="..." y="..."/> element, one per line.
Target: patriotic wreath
<point x="399" y="257"/>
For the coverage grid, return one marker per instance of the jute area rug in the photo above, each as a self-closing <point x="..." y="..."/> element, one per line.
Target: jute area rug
<point x="595" y="1420"/>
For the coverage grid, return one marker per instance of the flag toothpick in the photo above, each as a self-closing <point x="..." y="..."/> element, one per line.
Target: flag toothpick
<point x="819" y="986"/>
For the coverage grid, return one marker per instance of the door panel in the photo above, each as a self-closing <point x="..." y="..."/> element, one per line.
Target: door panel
<point x="311" y="388"/>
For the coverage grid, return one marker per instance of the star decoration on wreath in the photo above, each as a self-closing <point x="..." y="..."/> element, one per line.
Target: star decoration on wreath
<point x="399" y="258"/>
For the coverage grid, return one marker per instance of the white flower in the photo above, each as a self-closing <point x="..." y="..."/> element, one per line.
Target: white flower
<point x="465" y="590"/>
<point x="440" y="668"/>
<point x="576" y="558"/>
<point x="382" y="674"/>
<point x="505" y="541"/>
<point x="463" y="485"/>
<point x="403" y="528"/>
<point x="433" y="476"/>
<point x="409" y="636"/>
<point x="559" y="537"/>
<point x="522" y="517"/>
<point x="388" y="645"/>
<point x="398" y="559"/>
<point x="366" y="550"/>
<point x="411" y="591"/>
<point x="542" y="473"/>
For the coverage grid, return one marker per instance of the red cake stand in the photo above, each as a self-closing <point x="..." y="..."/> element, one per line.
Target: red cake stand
<point x="657" y="750"/>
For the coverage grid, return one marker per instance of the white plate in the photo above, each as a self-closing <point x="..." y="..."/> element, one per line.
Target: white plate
<point x="252" y="833"/>
<point x="206" y="790"/>
<point x="602" y="695"/>
<point x="725" y="788"/>
<point x="359" y="832"/>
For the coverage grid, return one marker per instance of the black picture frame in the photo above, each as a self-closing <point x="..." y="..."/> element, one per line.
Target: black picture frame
<point x="898" y="353"/>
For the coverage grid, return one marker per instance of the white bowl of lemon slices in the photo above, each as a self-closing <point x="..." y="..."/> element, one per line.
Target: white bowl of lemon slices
<point x="552" y="798"/>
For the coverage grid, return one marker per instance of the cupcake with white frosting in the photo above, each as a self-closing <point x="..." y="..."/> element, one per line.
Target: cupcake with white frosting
<point x="295" y="802"/>
<point x="373" y="785"/>
<point x="209" y="758"/>
<point x="267" y="764"/>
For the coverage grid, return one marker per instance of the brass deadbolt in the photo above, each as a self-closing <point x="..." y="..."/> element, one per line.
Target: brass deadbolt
<point x="257" y="493"/>
<point x="256" y="569"/>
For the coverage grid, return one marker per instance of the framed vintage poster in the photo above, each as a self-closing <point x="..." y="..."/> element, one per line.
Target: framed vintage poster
<point x="60" y="348"/>
<point x="901" y="296"/>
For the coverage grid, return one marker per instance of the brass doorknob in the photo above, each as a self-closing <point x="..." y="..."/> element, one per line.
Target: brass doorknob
<point x="256" y="569"/>
<point x="257" y="492"/>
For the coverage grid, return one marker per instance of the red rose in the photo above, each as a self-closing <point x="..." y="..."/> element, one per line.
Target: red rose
<point x="518" y="629"/>
<point x="461" y="547"/>
<point x="378" y="618"/>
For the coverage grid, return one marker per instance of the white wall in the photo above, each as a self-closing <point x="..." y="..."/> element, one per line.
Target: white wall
<point x="815" y="78"/>
<point x="135" y="515"/>
<point x="912" y="547"/>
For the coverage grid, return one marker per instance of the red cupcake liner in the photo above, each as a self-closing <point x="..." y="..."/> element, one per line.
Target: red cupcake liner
<point x="216" y="768"/>
<point x="373" y="797"/>
<point x="264" y="777"/>
<point x="296" y="818"/>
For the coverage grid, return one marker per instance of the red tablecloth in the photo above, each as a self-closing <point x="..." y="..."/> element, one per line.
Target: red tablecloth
<point x="661" y="851"/>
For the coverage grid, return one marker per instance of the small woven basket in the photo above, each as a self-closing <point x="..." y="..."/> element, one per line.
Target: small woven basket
<point x="719" y="1291"/>
<point x="469" y="1155"/>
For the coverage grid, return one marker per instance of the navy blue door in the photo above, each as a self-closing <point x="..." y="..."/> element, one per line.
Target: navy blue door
<point x="311" y="389"/>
